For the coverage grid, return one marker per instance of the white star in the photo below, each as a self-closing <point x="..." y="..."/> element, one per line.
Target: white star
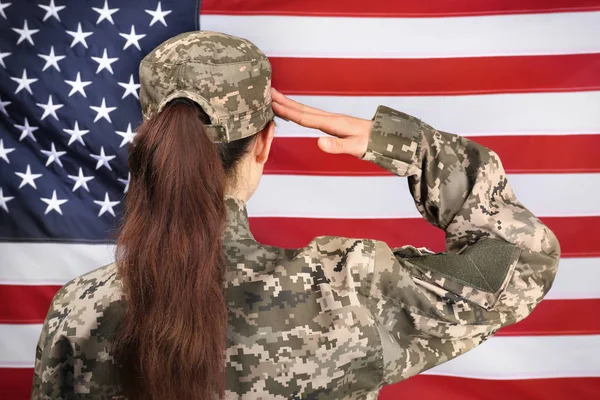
<point x="3" y="105"/>
<point x="76" y="134"/>
<point x="130" y="87"/>
<point x="50" y="108"/>
<point x="126" y="182"/>
<point x="107" y="205"/>
<point x="81" y="180"/>
<point x="2" y="57"/>
<point x="52" y="10"/>
<point x="105" y="13"/>
<point x="54" y="203"/>
<point x="104" y="62"/>
<point x="51" y="60"/>
<point x="158" y="15"/>
<point x="102" y="159"/>
<point x="26" y="130"/>
<point x="132" y="38"/>
<point x="127" y="136"/>
<point x="79" y="36"/>
<point x="24" y="83"/>
<point x="25" y="33"/>
<point x="103" y="111"/>
<point x="27" y="178"/>
<point x="4" y="200"/>
<point x="78" y="85"/>
<point x="2" y="7"/>
<point x="53" y="155"/>
<point x="4" y="151"/>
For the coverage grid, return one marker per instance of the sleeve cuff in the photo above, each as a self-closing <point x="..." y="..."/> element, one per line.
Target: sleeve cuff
<point x="394" y="141"/>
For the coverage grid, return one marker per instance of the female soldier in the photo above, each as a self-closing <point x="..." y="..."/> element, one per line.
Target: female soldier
<point x="195" y="308"/>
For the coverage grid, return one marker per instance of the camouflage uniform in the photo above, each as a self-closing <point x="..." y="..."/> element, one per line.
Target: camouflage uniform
<point x="341" y="317"/>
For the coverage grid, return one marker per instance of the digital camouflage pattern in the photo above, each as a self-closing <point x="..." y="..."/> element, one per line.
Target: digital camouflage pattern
<point x="229" y="77"/>
<point x="342" y="317"/>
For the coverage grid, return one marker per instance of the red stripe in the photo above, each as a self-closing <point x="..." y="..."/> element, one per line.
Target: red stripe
<point x="27" y="304"/>
<point x="16" y="385"/>
<point x="394" y="8"/>
<point x="431" y="387"/>
<point x="558" y="317"/>
<point x="436" y="76"/>
<point x="519" y="154"/>
<point x="578" y="236"/>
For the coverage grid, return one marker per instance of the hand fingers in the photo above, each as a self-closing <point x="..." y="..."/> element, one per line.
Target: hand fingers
<point x="352" y="133"/>
<point x="340" y="146"/>
<point x="280" y="98"/>
<point x="306" y="119"/>
<point x="331" y="145"/>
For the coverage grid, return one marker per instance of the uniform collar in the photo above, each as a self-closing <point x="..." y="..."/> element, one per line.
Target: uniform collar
<point x="238" y="226"/>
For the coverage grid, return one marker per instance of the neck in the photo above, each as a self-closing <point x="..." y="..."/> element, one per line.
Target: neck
<point x="238" y="186"/>
<point x="237" y="194"/>
<point x="239" y="182"/>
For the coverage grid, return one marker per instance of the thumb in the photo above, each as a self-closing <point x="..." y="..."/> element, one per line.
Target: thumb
<point x="331" y="145"/>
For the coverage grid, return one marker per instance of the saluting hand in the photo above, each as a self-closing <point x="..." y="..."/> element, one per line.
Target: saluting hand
<point x="351" y="134"/>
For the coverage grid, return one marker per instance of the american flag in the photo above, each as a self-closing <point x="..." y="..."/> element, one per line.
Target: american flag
<point x="521" y="77"/>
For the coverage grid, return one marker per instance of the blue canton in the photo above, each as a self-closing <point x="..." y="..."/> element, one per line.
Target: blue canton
<point x="69" y="109"/>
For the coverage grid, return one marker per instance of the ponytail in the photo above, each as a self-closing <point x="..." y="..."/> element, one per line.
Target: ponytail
<point x="171" y="340"/>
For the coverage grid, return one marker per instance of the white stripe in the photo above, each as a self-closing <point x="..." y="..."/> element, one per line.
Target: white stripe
<point x="527" y="357"/>
<point x="23" y="341"/>
<point x="526" y="113"/>
<point x="388" y="196"/>
<point x="284" y="36"/>
<point x="518" y="357"/>
<point x="306" y="196"/>
<point x="577" y="278"/>
<point x="50" y="263"/>
<point x="57" y="263"/>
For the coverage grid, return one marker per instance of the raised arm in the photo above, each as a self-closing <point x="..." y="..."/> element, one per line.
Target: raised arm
<point x="500" y="260"/>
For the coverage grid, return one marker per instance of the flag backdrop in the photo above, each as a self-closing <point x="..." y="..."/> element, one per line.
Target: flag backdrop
<point x="521" y="77"/>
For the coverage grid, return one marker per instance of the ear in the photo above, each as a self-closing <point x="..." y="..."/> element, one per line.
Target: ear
<point x="263" y="143"/>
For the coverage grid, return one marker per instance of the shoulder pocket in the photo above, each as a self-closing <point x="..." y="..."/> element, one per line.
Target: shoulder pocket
<point x="478" y="274"/>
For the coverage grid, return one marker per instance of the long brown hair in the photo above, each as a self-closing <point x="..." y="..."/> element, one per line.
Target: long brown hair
<point x="170" y="343"/>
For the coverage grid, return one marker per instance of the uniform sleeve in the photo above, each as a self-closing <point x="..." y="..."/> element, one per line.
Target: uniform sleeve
<point x="500" y="260"/>
<point x="53" y="369"/>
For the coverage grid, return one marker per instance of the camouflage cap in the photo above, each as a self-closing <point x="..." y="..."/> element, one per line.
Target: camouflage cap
<point x="229" y="77"/>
